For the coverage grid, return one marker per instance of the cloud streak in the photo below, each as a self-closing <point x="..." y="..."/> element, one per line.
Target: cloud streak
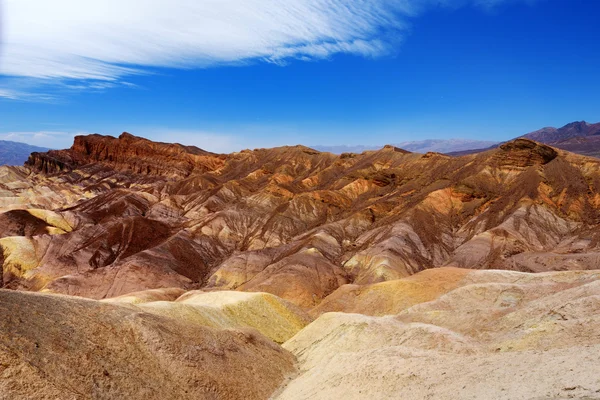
<point x="105" y="40"/>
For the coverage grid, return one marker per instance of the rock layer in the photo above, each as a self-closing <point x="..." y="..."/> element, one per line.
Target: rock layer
<point x="120" y="215"/>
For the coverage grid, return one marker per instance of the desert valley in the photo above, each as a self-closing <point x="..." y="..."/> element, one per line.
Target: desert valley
<point x="299" y="200"/>
<point x="137" y="269"/>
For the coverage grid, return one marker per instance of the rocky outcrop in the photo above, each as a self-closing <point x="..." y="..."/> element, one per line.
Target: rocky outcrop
<point x="128" y="153"/>
<point x="525" y="153"/>
<point x="290" y="221"/>
<point x="51" y="162"/>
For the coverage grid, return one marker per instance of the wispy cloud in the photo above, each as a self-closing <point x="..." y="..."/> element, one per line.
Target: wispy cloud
<point x="25" y="95"/>
<point x="9" y="94"/>
<point x="105" y="40"/>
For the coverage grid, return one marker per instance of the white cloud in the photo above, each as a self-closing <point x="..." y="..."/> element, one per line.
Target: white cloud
<point x="110" y="38"/>
<point x="104" y="40"/>
<point x="9" y="94"/>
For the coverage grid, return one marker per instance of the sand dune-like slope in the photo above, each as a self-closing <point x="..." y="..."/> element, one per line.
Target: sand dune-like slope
<point x="440" y="334"/>
<point x="497" y="335"/>
<point x="56" y="347"/>
<point x="272" y="316"/>
<point x="391" y="297"/>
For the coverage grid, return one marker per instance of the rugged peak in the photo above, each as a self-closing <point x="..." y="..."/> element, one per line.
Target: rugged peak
<point x="128" y="136"/>
<point x="569" y="131"/>
<point x="431" y="154"/>
<point x="579" y="125"/>
<point x="128" y="153"/>
<point x="519" y="144"/>
<point x="524" y="153"/>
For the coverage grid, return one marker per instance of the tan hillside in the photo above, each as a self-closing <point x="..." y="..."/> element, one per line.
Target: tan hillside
<point x="99" y="221"/>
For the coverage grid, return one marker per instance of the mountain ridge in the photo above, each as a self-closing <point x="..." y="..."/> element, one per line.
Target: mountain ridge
<point x="129" y="214"/>
<point x="16" y="153"/>
<point x="578" y="137"/>
<point x="289" y="273"/>
<point x="571" y="130"/>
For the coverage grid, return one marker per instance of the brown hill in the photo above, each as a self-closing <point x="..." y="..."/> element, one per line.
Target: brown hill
<point x="127" y="214"/>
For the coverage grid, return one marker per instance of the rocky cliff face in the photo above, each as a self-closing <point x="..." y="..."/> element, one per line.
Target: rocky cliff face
<point x="115" y="215"/>
<point x="128" y="153"/>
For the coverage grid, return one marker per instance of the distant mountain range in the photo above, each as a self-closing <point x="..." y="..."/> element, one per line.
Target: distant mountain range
<point x="15" y="153"/>
<point x="578" y="137"/>
<point x="574" y="130"/>
<point x="421" y="146"/>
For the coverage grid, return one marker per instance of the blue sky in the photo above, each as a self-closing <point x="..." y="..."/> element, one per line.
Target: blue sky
<point x="231" y="74"/>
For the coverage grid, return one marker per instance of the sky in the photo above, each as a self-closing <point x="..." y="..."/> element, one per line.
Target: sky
<point x="226" y="75"/>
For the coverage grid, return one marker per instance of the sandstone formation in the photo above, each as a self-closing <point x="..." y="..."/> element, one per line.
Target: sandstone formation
<point x="111" y="216"/>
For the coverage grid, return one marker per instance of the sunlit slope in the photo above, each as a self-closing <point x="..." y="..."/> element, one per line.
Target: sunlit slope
<point x="499" y="334"/>
<point x="56" y="347"/>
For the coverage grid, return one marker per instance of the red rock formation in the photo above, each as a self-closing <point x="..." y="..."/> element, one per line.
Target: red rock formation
<point x="293" y="221"/>
<point x="128" y="153"/>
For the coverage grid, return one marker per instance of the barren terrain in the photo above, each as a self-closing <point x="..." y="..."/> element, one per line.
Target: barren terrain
<point x="135" y="269"/>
